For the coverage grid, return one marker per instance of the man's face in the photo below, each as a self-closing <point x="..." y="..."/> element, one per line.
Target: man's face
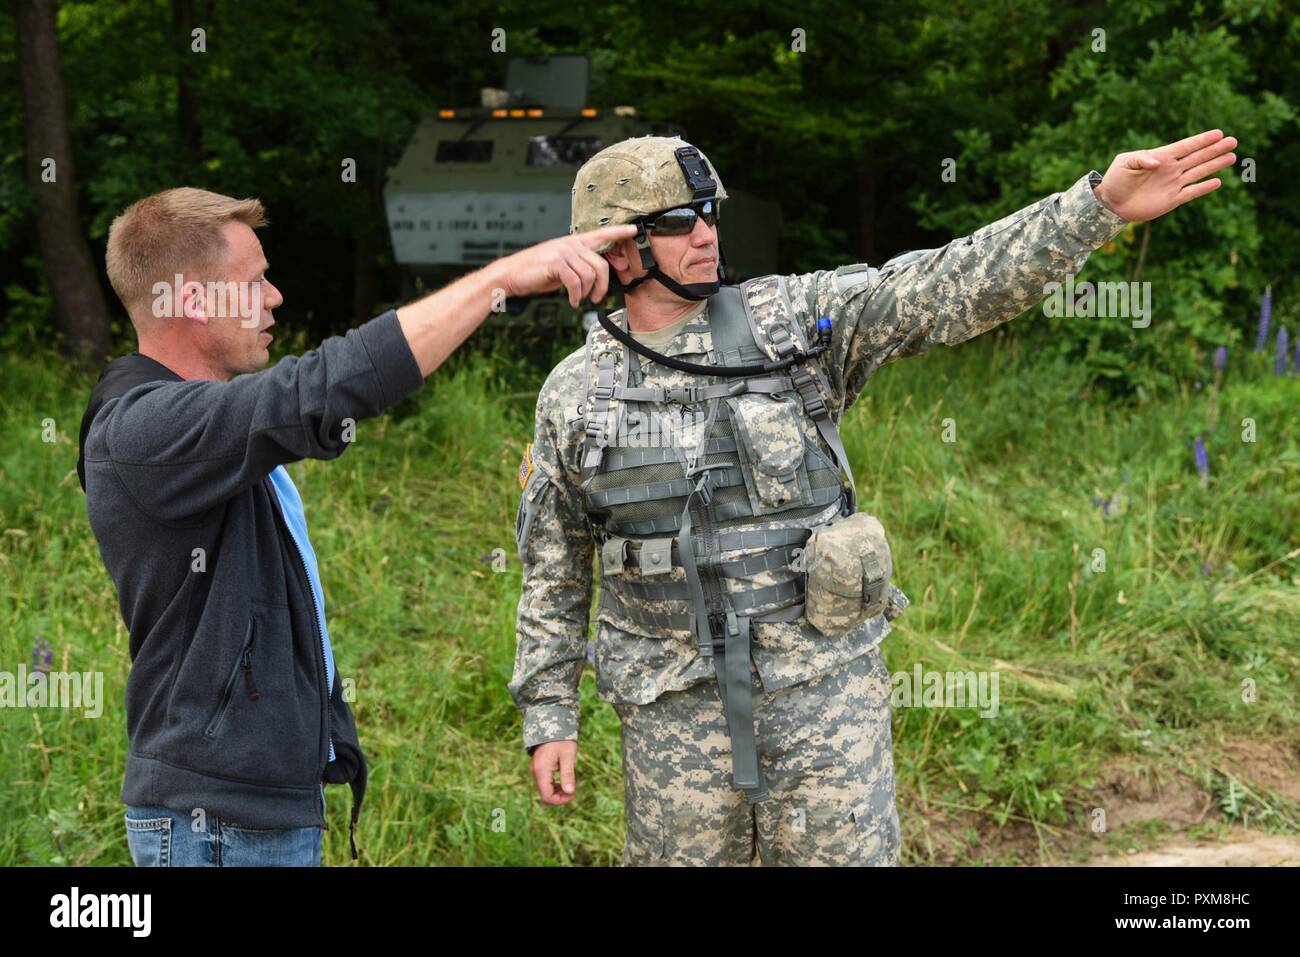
<point x="686" y="259"/>
<point x="237" y="341"/>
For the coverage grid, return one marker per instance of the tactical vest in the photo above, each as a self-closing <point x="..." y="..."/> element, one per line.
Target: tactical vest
<point x="753" y="479"/>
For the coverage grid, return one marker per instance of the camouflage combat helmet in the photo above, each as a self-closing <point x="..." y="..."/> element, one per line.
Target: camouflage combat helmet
<point x="638" y="177"/>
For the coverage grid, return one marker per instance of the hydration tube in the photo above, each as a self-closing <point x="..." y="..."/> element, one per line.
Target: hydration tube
<point x="775" y="365"/>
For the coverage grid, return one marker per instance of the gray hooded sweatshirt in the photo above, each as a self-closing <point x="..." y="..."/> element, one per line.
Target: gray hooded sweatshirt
<point x="226" y="703"/>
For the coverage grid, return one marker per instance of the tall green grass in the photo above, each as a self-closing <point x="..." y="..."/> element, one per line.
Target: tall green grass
<point x="993" y="535"/>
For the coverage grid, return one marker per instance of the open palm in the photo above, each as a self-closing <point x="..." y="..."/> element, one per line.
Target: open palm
<point x="1144" y="184"/>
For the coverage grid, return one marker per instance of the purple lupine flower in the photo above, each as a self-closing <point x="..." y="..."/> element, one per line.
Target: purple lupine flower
<point x="1221" y="358"/>
<point x="1202" y="460"/>
<point x="1265" y="315"/>
<point x="41" y="656"/>
<point x="1108" y="506"/>
<point x="591" y="652"/>
<point x="1279" y="363"/>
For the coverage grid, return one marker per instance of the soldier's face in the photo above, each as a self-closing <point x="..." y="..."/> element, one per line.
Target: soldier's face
<point x="689" y="258"/>
<point x="685" y="259"/>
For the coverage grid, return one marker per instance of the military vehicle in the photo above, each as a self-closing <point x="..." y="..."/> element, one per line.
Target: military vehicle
<point x="478" y="183"/>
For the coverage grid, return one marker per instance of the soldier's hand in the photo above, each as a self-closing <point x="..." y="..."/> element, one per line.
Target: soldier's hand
<point x="547" y="759"/>
<point x="1144" y="184"/>
<point x="568" y="261"/>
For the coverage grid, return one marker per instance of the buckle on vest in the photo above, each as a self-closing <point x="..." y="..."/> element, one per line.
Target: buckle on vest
<point x="807" y="389"/>
<point x="718" y="624"/>
<point x="874" y="580"/>
<point x="705" y="487"/>
<point x="682" y="394"/>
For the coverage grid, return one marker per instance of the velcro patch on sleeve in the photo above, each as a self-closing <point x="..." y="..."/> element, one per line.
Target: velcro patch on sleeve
<point x="526" y="466"/>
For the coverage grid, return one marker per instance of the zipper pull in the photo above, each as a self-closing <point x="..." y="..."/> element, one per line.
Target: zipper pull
<point x="253" y="693"/>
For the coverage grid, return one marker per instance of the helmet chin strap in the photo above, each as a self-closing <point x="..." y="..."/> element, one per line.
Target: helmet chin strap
<point x="694" y="291"/>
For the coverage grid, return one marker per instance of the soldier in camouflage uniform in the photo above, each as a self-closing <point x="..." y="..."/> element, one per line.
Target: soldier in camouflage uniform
<point x="743" y="597"/>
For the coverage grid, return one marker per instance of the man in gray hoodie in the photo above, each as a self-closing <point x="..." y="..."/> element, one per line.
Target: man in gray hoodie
<point x="235" y="713"/>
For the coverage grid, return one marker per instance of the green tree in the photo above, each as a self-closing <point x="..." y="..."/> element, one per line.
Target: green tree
<point x="78" y="301"/>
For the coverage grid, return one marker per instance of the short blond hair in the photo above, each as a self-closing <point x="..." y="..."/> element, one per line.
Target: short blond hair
<point x="175" y="231"/>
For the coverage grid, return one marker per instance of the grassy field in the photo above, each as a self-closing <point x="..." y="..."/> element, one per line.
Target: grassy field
<point x="1132" y="674"/>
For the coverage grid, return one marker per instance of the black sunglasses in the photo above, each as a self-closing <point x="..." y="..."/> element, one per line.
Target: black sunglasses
<point x="680" y="221"/>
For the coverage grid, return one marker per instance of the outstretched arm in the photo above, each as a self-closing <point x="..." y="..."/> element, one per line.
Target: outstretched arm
<point x="975" y="283"/>
<point x="182" y="448"/>
<point x="435" y="325"/>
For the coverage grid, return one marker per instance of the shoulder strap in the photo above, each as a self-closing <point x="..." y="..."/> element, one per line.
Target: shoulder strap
<point x="730" y="330"/>
<point x="607" y="365"/>
<point x="777" y="331"/>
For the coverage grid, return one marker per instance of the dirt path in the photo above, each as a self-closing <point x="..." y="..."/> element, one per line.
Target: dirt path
<point x="1126" y="799"/>
<point x="1243" y="850"/>
<point x="1132" y="795"/>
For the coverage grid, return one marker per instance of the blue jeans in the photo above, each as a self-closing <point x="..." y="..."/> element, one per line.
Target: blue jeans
<point x="162" y="837"/>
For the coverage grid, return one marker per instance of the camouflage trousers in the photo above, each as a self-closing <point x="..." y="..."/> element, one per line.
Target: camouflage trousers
<point x="825" y="751"/>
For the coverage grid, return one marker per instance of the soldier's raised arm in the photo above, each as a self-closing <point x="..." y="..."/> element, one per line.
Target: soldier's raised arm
<point x="977" y="282"/>
<point x="556" y="547"/>
<point x="955" y="292"/>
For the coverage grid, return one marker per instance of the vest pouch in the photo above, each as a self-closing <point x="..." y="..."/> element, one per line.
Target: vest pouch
<point x="848" y="567"/>
<point x="771" y="447"/>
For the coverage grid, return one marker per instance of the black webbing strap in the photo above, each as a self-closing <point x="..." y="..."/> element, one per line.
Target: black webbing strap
<point x="358" y="785"/>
